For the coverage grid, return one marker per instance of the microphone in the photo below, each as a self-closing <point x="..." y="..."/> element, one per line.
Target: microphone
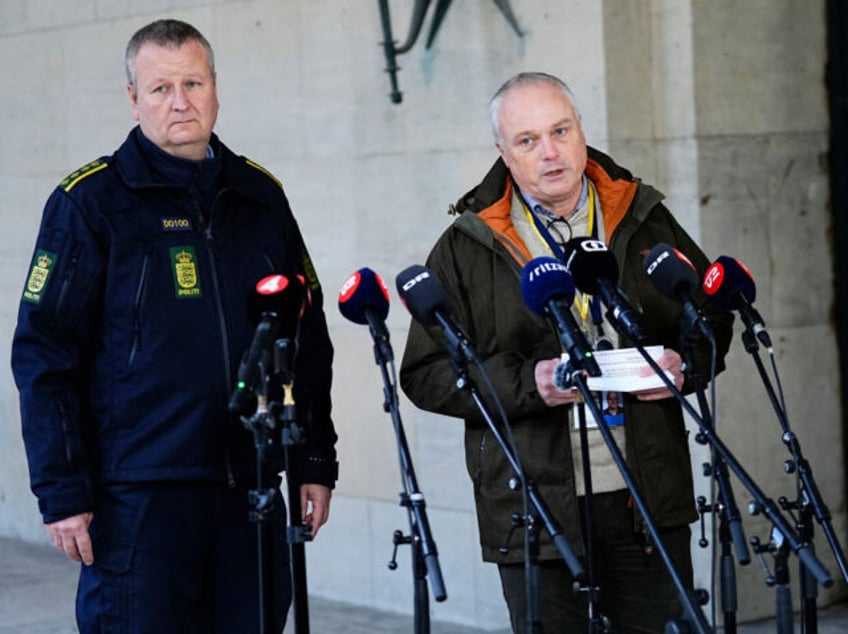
<point x="595" y="272"/>
<point x="548" y="290"/>
<point x="276" y="302"/>
<point x="729" y="285"/>
<point x="429" y="305"/>
<point x="364" y="299"/>
<point x="675" y="276"/>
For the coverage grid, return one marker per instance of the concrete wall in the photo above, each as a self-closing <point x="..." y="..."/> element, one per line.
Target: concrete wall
<point x="710" y="101"/>
<point x="713" y="102"/>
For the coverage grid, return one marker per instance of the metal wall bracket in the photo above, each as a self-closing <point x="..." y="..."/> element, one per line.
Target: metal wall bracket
<point x="419" y="12"/>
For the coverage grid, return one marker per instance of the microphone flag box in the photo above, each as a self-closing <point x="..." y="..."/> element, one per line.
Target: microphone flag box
<point x="620" y="370"/>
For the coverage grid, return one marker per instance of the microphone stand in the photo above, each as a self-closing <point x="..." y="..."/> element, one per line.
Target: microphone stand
<point x="730" y="523"/>
<point x="597" y="622"/>
<point x="261" y="501"/>
<point x="297" y="533"/>
<point x="585" y="363"/>
<point x="634" y="333"/>
<point x="540" y="512"/>
<point x="801" y="549"/>
<point x="809" y="590"/>
<point x="268" y="418"/>
<point x="695" y="616"/>
<point x="425" y="558"/>
<point x="777" y="546"/>
<point x="809" y="503"/>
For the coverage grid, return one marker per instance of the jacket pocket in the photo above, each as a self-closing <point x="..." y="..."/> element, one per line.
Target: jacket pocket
<point x="112" y="555"/>
<point x="67" y="278"/>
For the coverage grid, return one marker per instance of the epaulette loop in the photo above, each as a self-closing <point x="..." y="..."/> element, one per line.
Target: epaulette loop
<point x="84" y="172"/>
<point x="264" y="171"/>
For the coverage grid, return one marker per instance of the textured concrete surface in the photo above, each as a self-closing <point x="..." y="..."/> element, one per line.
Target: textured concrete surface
<point x="37" y="585"/>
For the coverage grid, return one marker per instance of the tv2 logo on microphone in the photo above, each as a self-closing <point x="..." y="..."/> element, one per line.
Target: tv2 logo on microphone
<point x="713" y="278"/>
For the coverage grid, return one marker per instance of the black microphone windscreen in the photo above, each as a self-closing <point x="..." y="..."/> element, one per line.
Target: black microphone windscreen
<point x="670" y="271"/>
<point x="589" y="260"/>
<point x="363" y="290"/>
<point x="281" y="296"/>
<point x="422" y="294"/>
<point x="725" y="280"/>
<point x="544" y="279"/>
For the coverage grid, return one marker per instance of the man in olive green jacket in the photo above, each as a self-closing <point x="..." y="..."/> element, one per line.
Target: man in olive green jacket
<point x="478" y="260"/>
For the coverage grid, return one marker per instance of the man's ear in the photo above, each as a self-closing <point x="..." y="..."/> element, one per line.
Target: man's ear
<point x="133" y="101"/>
<point x="501" y="151"/>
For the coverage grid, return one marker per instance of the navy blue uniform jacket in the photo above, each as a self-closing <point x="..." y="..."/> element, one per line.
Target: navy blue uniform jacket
<point x="133" y="322"/>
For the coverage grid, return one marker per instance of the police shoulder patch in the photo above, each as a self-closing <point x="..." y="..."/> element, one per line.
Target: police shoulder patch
<point x="85" y="171"/>
<point x="264" y="171"/>
<point x="39" y="275"/>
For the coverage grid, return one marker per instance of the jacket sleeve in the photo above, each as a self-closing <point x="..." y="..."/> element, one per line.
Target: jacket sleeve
<point x="313" y="378"/>
<point x="487" y="304"/>
<point x="52" y="347"/>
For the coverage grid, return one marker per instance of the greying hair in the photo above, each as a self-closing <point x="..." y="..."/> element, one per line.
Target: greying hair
<point x="525" y="79"/>
<point x="166" y="33"/>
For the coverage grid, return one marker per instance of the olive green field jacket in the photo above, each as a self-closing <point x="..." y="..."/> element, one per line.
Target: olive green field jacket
<point x="478" y="260"/>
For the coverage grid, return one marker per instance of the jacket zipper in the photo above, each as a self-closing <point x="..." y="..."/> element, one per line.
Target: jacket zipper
<point x="139" y="297"/>
<point x="222" y="321"/>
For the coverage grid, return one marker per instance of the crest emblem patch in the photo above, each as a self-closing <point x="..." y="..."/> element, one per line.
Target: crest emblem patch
<point x="39" y="275"/>
<point x="186" y="277"/>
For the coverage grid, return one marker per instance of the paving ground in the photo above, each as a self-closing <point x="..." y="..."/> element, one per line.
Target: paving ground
<point x="37" y="597"/>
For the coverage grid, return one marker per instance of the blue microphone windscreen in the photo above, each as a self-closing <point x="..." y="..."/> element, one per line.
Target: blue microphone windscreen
<point x="543" y="279"/>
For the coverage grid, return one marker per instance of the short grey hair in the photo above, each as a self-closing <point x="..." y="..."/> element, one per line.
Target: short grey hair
<point x="166" y="33"/>
<point x="525" y="79"/>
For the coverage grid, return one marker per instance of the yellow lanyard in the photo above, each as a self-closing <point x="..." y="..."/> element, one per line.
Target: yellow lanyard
<point x="581" y="300"/>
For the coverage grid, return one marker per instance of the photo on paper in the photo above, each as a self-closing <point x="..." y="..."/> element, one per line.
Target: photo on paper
<point x="613" y="408"/>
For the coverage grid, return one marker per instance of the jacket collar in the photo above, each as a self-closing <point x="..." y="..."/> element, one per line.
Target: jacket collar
<point x="134" y="166"/>
<point x="615" y="185"/>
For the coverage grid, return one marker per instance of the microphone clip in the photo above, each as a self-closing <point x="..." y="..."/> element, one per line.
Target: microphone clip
<point x="563" y="376"/>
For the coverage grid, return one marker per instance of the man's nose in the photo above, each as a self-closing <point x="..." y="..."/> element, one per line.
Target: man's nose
<point x="549" y="148"/>
<point x="180" y="99"/>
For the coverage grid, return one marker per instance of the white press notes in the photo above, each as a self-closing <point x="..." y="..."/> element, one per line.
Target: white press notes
<point x="620" y="370"/>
